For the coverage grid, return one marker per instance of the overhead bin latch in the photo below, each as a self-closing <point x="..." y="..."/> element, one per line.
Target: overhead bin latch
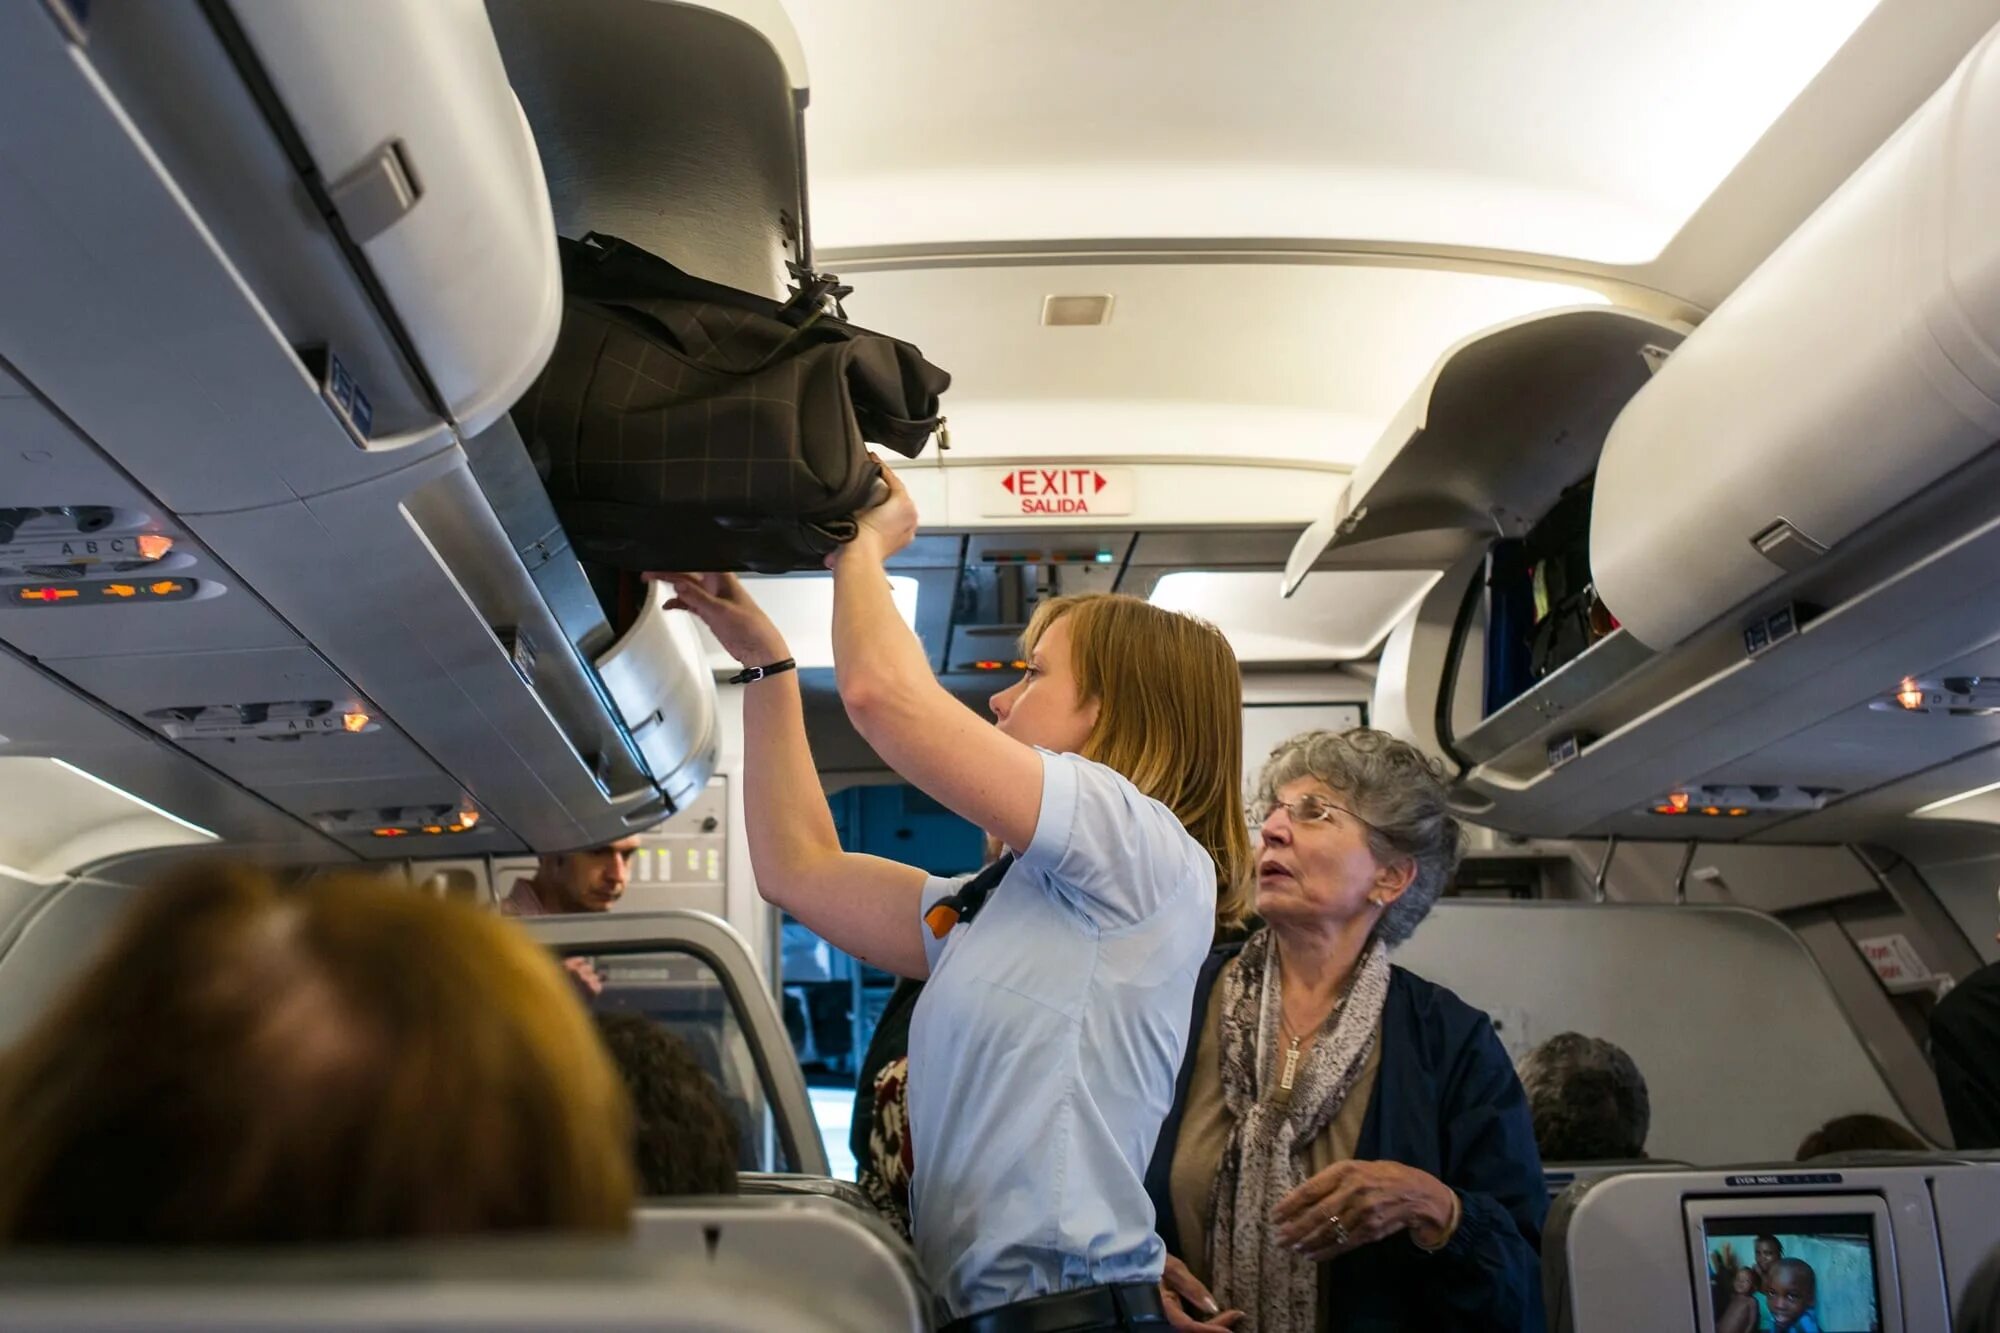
<point x="375" y="195"/>
<point x="1786" y="547"/>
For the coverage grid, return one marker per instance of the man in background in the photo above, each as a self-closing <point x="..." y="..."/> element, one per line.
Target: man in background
<point x="592" y="880"/>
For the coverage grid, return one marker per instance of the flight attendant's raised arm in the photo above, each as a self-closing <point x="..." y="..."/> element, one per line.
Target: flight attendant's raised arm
<point x="895" y="701"/>
<point x="864" y="905"/>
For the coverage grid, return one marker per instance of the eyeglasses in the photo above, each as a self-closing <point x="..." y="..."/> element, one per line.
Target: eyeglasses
<point x="1308" y="809"/>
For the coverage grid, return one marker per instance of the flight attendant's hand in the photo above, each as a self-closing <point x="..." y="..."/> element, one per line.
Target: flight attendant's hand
<point x="1188" y="1303"/>
<point x="1351" y="1204"/>
<point x="731" y="614"/>
<point x="889" y="526"/>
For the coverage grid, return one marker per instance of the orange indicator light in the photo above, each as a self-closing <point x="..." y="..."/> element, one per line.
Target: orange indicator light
<point x="433" y="828"/>
<point x="1667" y="810"/>
<point x="354" y="721"/>
<point x="44" y="594"/>
<point x="1738" y="812"/>
<point x="164" y="588"/>
<point x="988" y="666"/>
<point x="120" y="590"/>
<point x="152" y="546"/>
<point x="390" y="832"/>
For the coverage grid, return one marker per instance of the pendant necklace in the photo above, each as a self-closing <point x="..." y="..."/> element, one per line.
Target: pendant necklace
<point x="1292" y="1052"/>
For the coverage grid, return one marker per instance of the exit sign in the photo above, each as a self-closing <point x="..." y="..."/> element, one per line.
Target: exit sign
<point x="1897" y="962"/>
<point x="1056" y="491"/>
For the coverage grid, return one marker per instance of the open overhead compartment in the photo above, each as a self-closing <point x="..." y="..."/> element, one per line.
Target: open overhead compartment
<point x="1792" y="534"/>
<point x="271" y="294"/>
<point x="675" y="126"/>
<point x="1505" y="422"/>
<point x="1858" y="365"/>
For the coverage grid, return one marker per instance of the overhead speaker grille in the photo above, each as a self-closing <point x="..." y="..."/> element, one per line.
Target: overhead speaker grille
<point x="1074" y="311"/>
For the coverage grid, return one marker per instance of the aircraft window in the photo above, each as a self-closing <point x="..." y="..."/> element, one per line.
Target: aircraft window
<point x="683" y="993"/>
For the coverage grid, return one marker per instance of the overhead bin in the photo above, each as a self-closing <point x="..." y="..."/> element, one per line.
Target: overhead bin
<point x="383" y="198"/>
<point x="1505" y="421"/>
<point x="675" y="126"/>
<point x="660" y="683"/>
<point x="182" y="258"/>
<point x="1857" y="366"/>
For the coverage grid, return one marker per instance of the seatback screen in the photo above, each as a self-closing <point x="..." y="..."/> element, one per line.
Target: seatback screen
<point x="1793" y="1272"/>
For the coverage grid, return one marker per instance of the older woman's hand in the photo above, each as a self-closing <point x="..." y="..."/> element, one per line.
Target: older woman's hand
<point x="1351" y="1204"/>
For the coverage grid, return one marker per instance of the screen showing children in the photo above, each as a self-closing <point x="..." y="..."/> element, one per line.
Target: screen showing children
<point x="1794" y="1273"/>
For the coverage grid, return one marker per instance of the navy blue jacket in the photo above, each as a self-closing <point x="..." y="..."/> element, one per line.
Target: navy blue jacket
<point x="1447" y="1102"/>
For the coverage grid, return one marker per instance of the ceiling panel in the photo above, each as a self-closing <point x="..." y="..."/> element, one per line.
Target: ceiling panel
<point x="140" y="686"/>
<point x="1280" y="362"/>
<point x="1529" y="126"/>
<point x="1335" y="616"/>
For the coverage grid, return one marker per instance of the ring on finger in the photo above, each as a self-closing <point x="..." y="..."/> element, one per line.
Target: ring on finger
<point x="1339" y="1228"/>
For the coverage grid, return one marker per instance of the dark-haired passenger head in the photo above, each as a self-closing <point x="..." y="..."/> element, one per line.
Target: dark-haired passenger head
<point x="1588" y="1099"/>
<point x="685" y="1141"/>
<point x="1859" y="1133"/>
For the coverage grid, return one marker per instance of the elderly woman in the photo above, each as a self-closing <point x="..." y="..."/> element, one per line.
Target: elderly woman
<point x="1349" y="1146"/>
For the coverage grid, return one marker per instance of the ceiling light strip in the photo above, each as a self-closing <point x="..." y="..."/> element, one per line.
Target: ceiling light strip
<point x="1954" y="800"/>
<point x="139" y="801"/>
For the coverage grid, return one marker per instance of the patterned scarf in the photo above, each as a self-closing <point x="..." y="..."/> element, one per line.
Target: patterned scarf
<point x="1265" y="1157"/>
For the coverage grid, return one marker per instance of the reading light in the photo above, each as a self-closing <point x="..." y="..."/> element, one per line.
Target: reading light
<point x="1910" y="696"/>
<point x="152" y="545"/>
<point x="354" y="721"/>
<point x="1679" y="801"/>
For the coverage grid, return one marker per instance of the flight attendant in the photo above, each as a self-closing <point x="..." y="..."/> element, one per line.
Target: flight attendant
<point x="1044" y="1048"/>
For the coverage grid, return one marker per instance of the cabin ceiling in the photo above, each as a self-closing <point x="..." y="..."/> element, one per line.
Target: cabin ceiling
<point x="1592" y="132"/>
<point x="1298" y="208"/>
<point x="1281" y="362"/>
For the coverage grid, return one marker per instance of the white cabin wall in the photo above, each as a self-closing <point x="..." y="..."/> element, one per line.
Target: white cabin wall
<point x="756" y="919"/>
<point x="1962" y="868"/>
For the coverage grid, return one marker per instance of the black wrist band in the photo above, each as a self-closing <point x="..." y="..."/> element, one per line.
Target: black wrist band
<point x="750" y="675"/>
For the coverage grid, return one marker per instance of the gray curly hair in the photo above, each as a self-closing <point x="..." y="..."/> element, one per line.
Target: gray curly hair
<point x="1397" y="789"/>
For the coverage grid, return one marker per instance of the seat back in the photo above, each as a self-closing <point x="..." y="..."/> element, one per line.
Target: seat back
<point x="860" y="1272"/>
<point x="1895" y="1243"/>
<point x="483" y="1287"/>
<point x="824" y="1187"/>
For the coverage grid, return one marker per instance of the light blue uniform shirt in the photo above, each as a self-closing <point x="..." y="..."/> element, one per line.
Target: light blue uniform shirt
<point x="1044" y="1049"/>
